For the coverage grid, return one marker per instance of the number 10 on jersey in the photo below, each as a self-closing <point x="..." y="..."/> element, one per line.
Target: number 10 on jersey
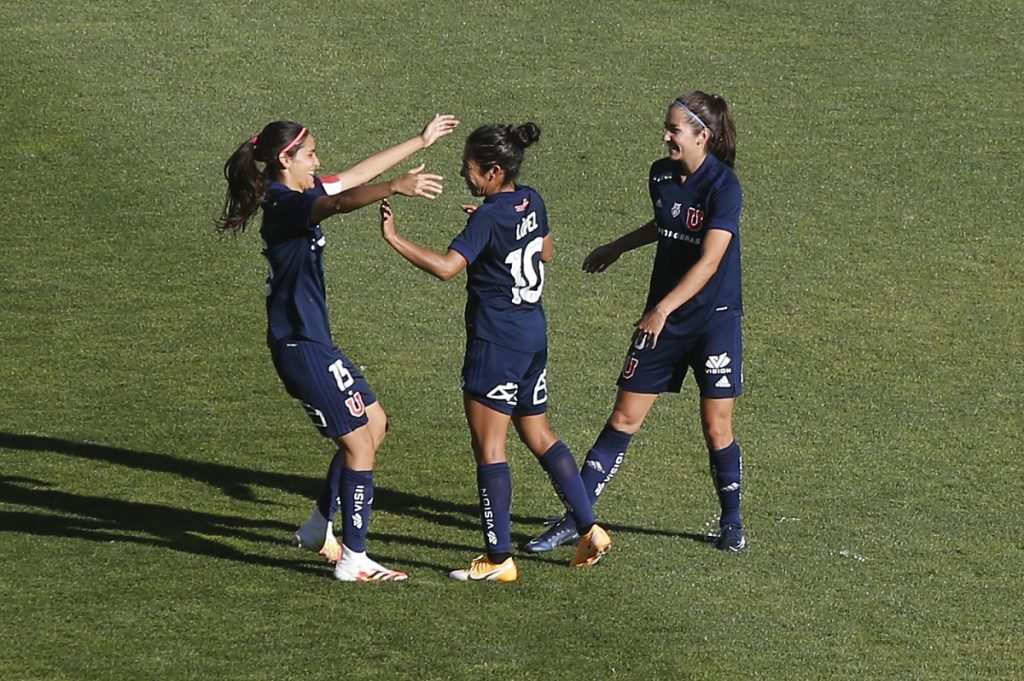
<point x="527" y="271"/>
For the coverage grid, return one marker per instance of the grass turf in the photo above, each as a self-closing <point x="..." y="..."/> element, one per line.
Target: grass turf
<point x="153" y="467"/>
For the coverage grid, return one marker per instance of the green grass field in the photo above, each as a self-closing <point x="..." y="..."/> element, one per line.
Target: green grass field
<point x="152" y="468"/>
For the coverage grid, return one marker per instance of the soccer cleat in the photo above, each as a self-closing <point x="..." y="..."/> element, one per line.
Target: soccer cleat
<point x="317" y="534"/>
<point x="731" y="539"/>
<point x="358" y="567"/>
<point x="592" y="546"/>
<point x="562" y="531"/>
<point x="481" y="569"/>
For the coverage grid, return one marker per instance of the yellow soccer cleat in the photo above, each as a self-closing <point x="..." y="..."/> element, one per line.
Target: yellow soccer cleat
<point x="483" y="570"/>
<point x="592" y="546"/>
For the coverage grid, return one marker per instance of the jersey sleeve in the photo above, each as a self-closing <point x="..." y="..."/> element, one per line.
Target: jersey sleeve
<point x="725" y="206"/>
<point x="542" y="213"/>
<point x="474" y="237"/>
<point x="661" y="170"/>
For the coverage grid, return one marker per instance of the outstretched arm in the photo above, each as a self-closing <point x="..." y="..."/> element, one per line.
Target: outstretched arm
<point x="444" y="267"/>
<point x="413" y="183"/>
<point x="369" y="168"/>
<point x="602" y="257"/>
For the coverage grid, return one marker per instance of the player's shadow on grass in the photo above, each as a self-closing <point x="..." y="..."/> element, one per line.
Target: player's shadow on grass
<point x="242" y="483"/>
<point x="106" y="519"/>
<point x="55" y="513"/>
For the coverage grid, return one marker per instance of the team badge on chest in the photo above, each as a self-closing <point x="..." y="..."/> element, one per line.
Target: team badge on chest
<point x="677" y="208"/>
<point x="694" y="219"/>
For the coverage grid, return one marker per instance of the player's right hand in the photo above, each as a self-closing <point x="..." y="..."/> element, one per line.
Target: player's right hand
<point x="600" y="258"/>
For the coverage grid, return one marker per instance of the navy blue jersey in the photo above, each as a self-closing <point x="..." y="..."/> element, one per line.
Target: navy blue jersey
<point x="293" y="246"/>
<point x="684" y="211"/>
<point x="502" y="243"/>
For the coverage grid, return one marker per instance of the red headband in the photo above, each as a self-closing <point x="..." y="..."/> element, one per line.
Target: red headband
<point x="295" y="142"/>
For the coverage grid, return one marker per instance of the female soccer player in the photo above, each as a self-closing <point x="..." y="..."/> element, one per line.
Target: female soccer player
<point x="693" y="311"/>
<point x="504" y="246"/>
<point x="314" y="371"/>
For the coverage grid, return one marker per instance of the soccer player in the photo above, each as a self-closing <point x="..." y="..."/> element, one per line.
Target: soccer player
<point x="693" y="311"/>
<point x="338" y="399"/>
<point x="503" y="247"/>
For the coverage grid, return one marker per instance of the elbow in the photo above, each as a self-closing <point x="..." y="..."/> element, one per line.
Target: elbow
<point x="446" y="273"/>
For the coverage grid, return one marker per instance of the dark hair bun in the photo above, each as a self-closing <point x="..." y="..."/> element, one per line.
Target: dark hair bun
<point x="526" y="134"/>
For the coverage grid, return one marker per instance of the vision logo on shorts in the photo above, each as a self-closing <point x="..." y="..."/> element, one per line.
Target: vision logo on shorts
<point x="505" y="392"/>
<point x="718" y="364"/>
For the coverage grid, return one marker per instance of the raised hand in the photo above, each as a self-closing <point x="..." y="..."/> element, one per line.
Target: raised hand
<point x="387" y="220"/>
<point x="600" y="258"/>
<point x="417" y="183"/>
<point x="439" y="126"/>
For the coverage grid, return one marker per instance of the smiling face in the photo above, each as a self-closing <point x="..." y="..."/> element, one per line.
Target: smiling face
<point x="481" y="182"/>
<point x="297" y="171"/>
<point x="684" y="144"/>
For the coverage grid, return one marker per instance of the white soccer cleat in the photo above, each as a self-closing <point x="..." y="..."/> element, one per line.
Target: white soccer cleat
<point x="317" y="534"/>
<point x="358" y="567"/>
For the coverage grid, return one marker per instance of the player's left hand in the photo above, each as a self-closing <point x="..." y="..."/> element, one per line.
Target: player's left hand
<point x="417" y="183"/>
<point x="468" y="208"/>
<point x="387" y="220"/>
<point x="439" y="126"/>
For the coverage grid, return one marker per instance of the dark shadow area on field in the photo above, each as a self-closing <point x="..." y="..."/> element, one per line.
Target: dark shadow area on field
<point x="103" y="519"/>
<point x="110" y="520"/>
<point x="241" y="483"/>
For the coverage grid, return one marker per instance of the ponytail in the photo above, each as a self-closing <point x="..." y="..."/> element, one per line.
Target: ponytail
<point x="246" y="187"/>
<point x="247" y="184"/>
<point x="713" y="112"/>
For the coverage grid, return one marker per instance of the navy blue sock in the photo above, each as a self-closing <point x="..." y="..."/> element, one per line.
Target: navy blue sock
<point x="603" y="461"/>
<point x="560" y="465"/>
<point x="329" y="501"/>
<point x="726" y="472"/>
<point x="494" y="483"/>
<point x="356" y="500"/>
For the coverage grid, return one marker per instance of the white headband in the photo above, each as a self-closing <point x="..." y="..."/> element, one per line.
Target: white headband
<point x="694" y="116"/>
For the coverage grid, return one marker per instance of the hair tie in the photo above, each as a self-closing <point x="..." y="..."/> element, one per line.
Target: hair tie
<point x="254" y="139"/>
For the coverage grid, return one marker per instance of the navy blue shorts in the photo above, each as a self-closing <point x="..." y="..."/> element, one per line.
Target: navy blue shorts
<point x="327" y="383"/>
<point x="715" y="356"/>
<point x="505" y="380"/>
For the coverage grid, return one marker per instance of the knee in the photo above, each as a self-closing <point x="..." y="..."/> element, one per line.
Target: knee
<point x="624" y="422"/>
<point x="718" y="433"/>
<point x="538" y="442"/>
<point x="486" y="455"/>
<point x="379" y="428"/>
